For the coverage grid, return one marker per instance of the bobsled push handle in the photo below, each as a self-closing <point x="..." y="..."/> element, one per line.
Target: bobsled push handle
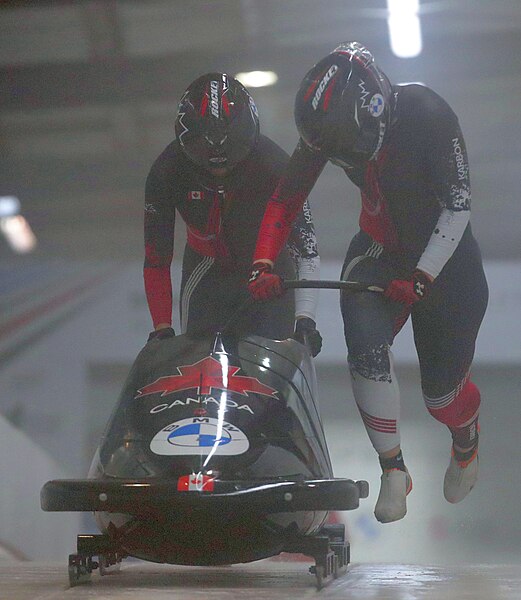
<point x="349" y="286"/>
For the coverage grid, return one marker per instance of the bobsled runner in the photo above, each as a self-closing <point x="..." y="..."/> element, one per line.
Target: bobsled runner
<point x="215" y="454"/>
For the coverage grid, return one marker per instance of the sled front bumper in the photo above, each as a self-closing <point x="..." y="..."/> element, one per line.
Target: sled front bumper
<point x="143" y="497"/>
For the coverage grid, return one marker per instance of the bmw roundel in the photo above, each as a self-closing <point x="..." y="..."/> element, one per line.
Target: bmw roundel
<point x="199" y="436"/>
<point x="376" y="105"/>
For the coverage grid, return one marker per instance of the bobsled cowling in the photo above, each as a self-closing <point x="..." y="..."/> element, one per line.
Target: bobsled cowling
<point x="214" y="454"/>
<point x="245" y="410"/>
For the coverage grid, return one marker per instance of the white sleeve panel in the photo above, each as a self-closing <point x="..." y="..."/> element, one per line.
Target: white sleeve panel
<point x="306" y="300"/>
<point x="445" y="238"/>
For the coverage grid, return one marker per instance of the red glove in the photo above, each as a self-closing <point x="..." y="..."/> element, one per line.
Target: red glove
<point x="409" y="291"/>
<point x="263" y="284"/>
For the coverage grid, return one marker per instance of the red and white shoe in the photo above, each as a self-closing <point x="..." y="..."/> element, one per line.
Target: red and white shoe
<point x="392" y="504"/>
<point x="460" y="477"/>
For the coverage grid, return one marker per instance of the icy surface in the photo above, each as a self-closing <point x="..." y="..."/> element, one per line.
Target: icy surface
<point x="264" y="580"/>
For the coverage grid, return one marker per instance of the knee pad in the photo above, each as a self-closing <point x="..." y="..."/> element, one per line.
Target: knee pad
<point x="458" y="407"/>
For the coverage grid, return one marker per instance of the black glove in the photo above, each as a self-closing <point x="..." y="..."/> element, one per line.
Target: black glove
<point x="161" y="334"/>
<point x="306" y="333"/>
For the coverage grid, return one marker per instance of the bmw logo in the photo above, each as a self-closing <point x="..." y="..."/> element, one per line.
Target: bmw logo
<point x="376" y="105"/>
<point x="200" y="436"/>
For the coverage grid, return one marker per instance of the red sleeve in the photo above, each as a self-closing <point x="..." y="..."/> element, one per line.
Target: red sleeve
<point x="158" y="289"/>
<point x="159" y="225"/>
<point x="286" y="202"/>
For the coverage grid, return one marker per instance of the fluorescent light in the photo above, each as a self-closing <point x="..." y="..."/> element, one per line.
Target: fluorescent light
<point x="9" y="206"/>
<point x="18" y="233"/>
<point x="404" y="27"/>
<point x="257" y="78"/>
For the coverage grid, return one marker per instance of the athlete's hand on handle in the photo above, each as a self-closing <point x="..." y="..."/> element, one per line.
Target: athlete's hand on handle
<point x="161" y="334"/>
<point x="263" y="284"/>
<point x="409" y="291"/>
<point x="306" y="333"/>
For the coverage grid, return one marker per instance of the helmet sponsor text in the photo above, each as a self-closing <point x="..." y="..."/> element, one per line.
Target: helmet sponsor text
<point x="214" y="98"/>
<point x="322" y="86"/>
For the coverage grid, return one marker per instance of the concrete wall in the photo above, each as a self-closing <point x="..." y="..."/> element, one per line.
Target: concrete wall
<point x="24" y="527"/>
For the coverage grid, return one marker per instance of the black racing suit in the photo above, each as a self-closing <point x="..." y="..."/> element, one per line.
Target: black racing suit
<point x="222" y="217"/>
<point x="415" y="208"/>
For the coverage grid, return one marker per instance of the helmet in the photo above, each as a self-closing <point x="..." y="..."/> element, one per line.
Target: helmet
<point x="343" y="106"/>
<point x="217" y="124"/>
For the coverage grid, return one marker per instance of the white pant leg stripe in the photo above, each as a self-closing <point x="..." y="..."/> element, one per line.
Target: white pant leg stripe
<point x="374" y="250"/>
<point x="443" y="401"/>
<point x="436" y="403"/>
<point x="197" y="274"/>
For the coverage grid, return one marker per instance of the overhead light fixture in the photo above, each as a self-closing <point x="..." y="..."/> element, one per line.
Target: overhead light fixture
<point x="404" y="27"/>
<point x="15" y="227"/>
<point x="256" y="79"/>
<point x="9" y="206"/>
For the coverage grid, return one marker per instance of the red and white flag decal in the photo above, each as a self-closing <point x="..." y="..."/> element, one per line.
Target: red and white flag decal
<point x="195" y="195"/>
<point x="197" y="482"/>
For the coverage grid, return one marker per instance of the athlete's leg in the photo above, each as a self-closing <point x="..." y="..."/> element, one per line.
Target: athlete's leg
<point x="370" y="324"/>
<point x="445" y="327"/>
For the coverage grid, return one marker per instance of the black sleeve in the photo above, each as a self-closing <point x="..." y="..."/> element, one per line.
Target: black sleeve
<point x="302" y="172"/>
<point x="446" y="155"/>
<point x="159" y="218"/>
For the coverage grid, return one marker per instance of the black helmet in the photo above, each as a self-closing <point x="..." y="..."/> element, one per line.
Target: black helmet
<point x="217" y="123"/>
<point x="343" y="106"/>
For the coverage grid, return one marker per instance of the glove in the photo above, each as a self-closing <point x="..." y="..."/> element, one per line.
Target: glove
<point x="306" y="333"/>
<point x="409" y="291"/>
<point x="263" y="284"/>
<point x="161" y="334"/>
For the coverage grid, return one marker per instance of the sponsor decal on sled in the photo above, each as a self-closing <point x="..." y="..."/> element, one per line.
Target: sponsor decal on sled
<point x="195" y="483"/>
<point x="199" y="436"/>
<point x="228" y="404"/>
<point x="204" y="376"/>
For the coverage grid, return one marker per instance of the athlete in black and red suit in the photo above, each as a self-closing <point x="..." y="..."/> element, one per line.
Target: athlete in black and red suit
<point x="403" y="147"/>
<point x="219" y="174"/>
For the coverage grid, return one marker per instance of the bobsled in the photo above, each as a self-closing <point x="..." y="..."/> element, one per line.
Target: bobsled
<point x="215" y="454"/>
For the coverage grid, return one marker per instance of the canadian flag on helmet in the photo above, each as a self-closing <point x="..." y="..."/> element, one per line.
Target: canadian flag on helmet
<point x="195" y="483"/>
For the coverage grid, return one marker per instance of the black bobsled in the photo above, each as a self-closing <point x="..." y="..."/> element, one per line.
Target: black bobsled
<point x="215" y="454"/>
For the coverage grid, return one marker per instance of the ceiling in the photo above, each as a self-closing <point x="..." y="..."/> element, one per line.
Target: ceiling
<point x="88" y="94"/>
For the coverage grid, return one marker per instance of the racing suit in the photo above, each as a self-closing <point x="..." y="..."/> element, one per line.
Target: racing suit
<point x="415" y="211"/>
<point x="222" y="217"/>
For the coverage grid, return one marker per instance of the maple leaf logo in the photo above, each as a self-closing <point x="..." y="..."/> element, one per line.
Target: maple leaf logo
<point x="204" y="375"/>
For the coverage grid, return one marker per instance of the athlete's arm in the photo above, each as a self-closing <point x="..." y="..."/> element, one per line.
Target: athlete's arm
<point x="286" y="202"/>
<point x="159" y="243"/>
<point x="447" y="158"/>
<point x="302" y="246"/>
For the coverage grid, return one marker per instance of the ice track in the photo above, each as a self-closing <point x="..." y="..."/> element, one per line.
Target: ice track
<point x="264" y="580"/>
